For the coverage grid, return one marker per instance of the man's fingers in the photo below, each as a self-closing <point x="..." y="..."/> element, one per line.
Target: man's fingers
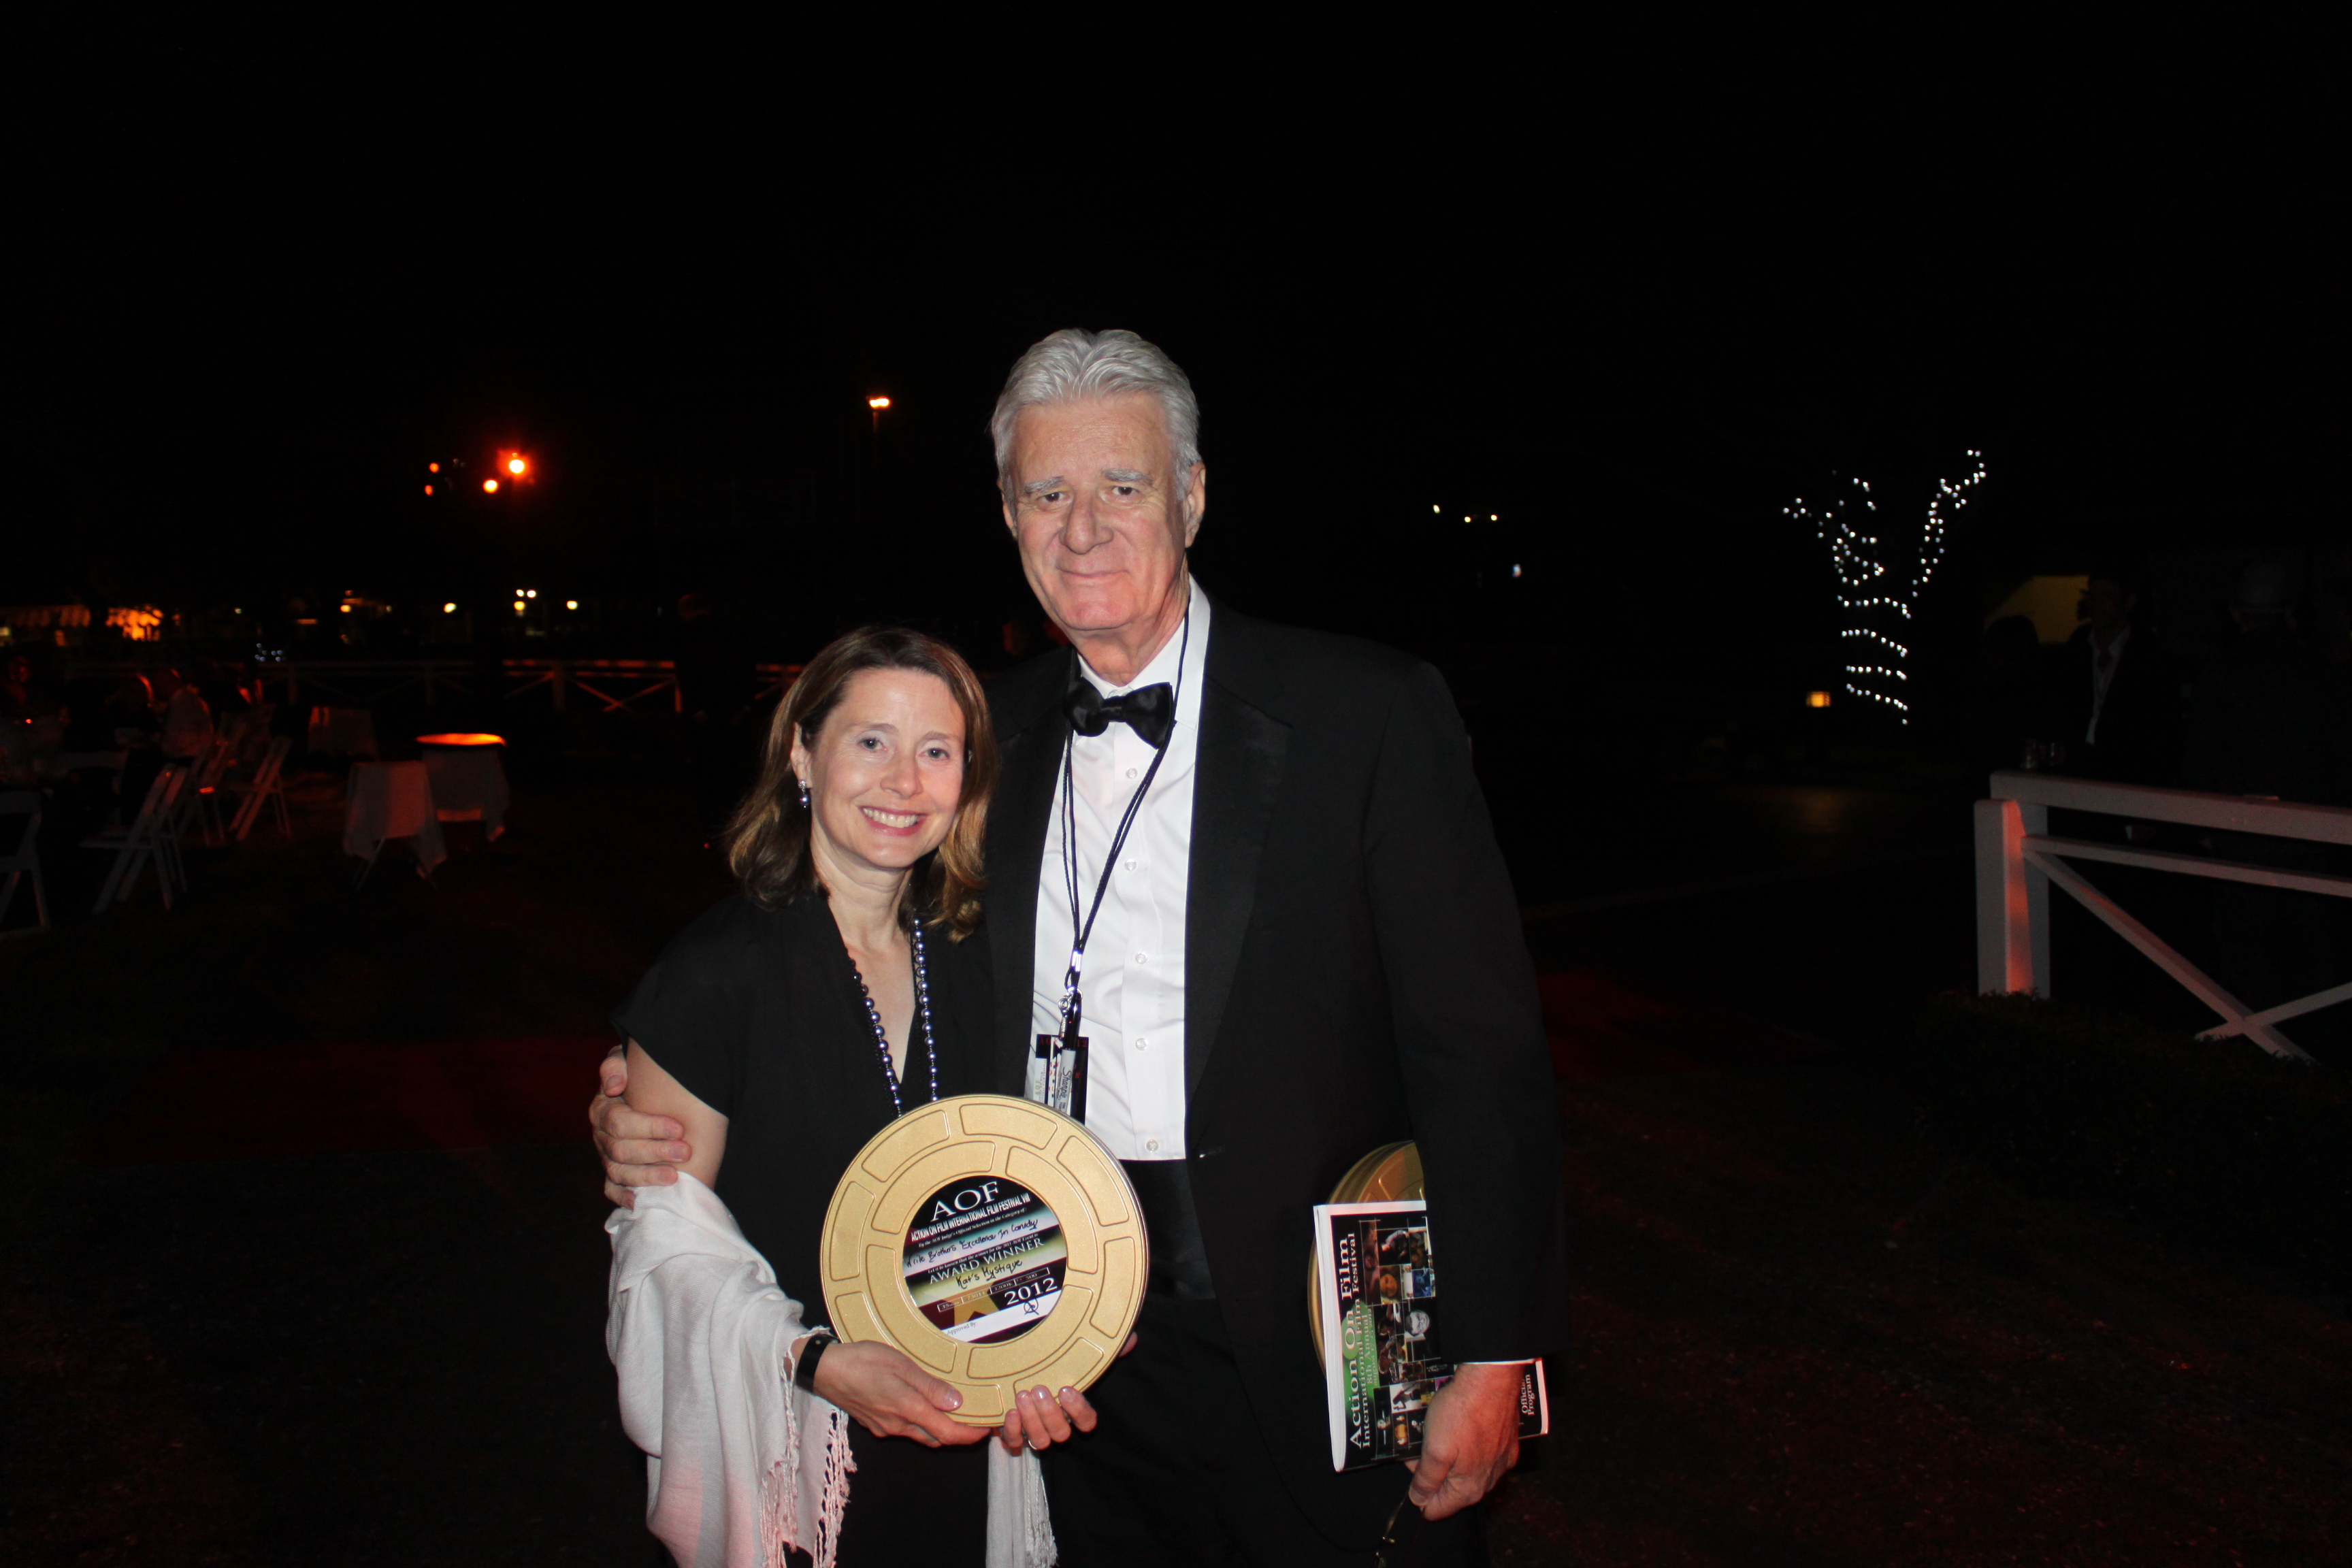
<point x="624" y="1196"/>
<point x="1429" y="1478"/>
<point x="645" y="1152"/>
<point x="619" y="1124"/>
<point x="616" y="1174"/>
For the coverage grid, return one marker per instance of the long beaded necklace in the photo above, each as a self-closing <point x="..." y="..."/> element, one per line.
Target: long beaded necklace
<point x="923" y="1008"/>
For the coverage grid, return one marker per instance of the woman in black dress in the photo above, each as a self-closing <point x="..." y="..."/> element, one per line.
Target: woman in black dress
<point x="847" y="984"/>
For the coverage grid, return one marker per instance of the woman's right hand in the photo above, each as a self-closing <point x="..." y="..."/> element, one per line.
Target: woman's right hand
<point x="891" y="1396"/>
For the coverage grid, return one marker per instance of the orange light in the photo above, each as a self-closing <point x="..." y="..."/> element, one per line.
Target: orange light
<point x="1817" y="699"/>
<point x="450" y="609"/>
<point x="347" y="609"/>
<point x="518" y="607"/>
<point x="490" y="486"/>
<point x="431" y="468"/>
<point x="877" y="402"/>
<point x="571" y="604"/>
<point x="462" y="738"/>
<point x="517" y="466"/>
<point x="428" y="490"/>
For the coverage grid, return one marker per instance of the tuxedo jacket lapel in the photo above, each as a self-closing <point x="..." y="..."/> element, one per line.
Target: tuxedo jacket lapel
<point x="1238" y="777"/>
<point x="1031" y="747"/>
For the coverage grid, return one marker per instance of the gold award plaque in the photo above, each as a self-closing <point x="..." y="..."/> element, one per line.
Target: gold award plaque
<point x="995" y="1242"/>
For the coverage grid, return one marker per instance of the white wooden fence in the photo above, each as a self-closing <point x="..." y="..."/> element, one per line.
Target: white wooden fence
<point x="2017" y="861"/>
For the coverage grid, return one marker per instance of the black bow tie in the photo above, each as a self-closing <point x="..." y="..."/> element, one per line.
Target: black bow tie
<point x="1150" y="711"/>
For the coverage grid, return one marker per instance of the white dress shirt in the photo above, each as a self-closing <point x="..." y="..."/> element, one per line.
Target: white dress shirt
<point x="1131" y="984"/>
<point x="2101" y="678"/>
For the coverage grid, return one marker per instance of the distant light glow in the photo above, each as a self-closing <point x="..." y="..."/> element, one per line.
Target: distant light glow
<point x="517" y="466"/>
<point x="431" y="468"/>
<point x="530" y="592"/>
<point x="1855" y="559"/>
<point x="346" y="609"/>
<point x="518" y="607"/>
<point x="1514" y="571"/>
<point x="428" y="490"/>
<point x="571" y="604"/>
<point x="877" y="402"/>
<point x="450" y="609"/>
<point x="490" y="486"/>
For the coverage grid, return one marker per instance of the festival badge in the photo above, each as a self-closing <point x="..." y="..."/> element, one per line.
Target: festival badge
<point x="995" y="1242"/>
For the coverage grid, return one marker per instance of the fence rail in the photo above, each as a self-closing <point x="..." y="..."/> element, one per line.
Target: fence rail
<point x="607" y="685"/>
<point x="2017" y="861"/>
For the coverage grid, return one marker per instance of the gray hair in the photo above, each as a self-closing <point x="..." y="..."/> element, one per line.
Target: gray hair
<point x="1075" y="365"/>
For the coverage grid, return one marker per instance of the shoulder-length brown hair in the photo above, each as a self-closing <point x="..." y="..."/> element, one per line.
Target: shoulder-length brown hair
<point x="767" y="837"/>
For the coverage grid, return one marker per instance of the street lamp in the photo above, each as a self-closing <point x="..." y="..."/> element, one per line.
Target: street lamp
<point x="877" y="404"/>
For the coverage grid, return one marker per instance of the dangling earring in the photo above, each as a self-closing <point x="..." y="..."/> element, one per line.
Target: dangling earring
<point x="804" y="795"/>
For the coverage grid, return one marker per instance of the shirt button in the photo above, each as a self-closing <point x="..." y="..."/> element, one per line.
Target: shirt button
<point x="1131" y="865"/>
<point x="1141" y="1043"/>
<point x="1143" y="958"/>
<point x="1130" y="772"/>
<point x="1153" y="1144"/>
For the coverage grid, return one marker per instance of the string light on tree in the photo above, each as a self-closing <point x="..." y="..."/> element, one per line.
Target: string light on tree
<point x="1868" y="592"/>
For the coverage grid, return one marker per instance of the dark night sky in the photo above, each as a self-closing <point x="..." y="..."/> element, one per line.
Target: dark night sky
<point x="1634" y="310"/>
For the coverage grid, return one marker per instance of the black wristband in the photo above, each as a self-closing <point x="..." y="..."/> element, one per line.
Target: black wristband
<point x="805" y="1368"/>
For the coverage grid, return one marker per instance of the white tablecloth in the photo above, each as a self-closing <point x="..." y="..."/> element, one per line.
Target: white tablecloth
<point x="470" y="785"/>
<point x="342" y="731"/>
<point x="393" y="800"/>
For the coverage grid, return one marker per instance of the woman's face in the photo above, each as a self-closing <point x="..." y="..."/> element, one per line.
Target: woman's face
<point x="884" y="773"/>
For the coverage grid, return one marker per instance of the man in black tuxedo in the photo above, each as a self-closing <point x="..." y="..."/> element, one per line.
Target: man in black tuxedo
<point x="2119" y="697"/>
<point x="1303" y="946"/>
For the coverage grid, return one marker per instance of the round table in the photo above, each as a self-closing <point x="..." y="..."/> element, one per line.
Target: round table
<point x="469" y="781"/>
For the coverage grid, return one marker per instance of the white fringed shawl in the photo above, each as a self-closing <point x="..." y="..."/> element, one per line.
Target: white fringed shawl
<point x="741" y="1464"/>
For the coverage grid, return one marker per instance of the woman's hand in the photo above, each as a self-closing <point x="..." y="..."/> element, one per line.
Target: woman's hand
<point x="1040" y="1420"/>
<point x="891" y="1396"/>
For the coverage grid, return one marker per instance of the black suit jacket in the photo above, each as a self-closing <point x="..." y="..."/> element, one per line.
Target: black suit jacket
<point x="2140" y="723"/>
<point x="1355" y="973"/>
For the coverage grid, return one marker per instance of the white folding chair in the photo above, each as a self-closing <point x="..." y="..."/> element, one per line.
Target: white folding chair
<point x="250" y="732"/>
<point x="268" y="787"/>
<point x="25" y="859"/>
<point x="141" y="842"/>
<point x="199" y="804"/>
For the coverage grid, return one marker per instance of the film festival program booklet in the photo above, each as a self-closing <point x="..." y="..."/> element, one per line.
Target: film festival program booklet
<point x="1383" y="1333"/>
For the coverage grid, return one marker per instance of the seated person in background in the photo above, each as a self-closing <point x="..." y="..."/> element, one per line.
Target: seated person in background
<point x="187" y="723"/>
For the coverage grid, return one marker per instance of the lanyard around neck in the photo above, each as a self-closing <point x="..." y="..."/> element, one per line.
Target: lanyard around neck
<point x="1081" y="931"/>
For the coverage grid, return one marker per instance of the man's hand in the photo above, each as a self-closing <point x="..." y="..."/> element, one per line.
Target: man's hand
<point x="638" y="1151"/>
<point x="1472" y="1438"/>
<point x="891" y="1396"/>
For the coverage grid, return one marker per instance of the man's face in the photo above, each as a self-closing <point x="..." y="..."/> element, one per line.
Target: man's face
<point x="2107" y="605"/>
<point x="1102" y="517"/>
